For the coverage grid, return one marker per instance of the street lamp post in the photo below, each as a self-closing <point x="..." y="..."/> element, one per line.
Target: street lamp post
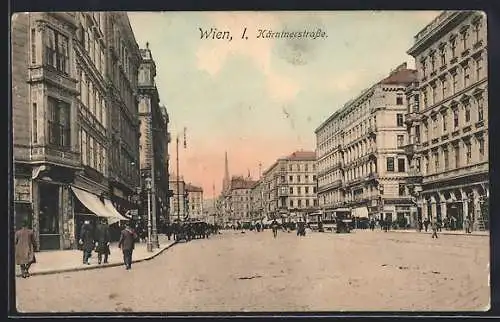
<point x="149" y="243"/>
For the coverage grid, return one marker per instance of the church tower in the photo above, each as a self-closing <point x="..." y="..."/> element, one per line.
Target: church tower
<point x="225" y="181"/>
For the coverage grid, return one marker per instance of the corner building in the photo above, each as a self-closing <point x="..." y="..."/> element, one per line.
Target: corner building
<point x="361" y="161"/>
<point x="289" y="185"/>
<point x="62" y="116"/>
<point x="448" y="119"/>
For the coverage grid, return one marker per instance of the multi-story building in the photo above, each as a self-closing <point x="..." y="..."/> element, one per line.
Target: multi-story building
<point x="360" y="148"/>
<point x="238" y="200"/>
<point x="123" y="60"/>
<point x="289" y="185"/>
<point x="448" y="118"/>
<point x="257" y="200"/>
<point x="154" y="140"/>
<point x="178" y="201"/>
<point x="61" y="125"/>
<point x="195" y="202"/>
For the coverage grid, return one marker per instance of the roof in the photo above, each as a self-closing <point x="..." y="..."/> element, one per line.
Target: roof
<point x="191" y="188"/>
<point x="242" y="183"/>
<point x="402" y="75"/>
<point x="301" y="156"/>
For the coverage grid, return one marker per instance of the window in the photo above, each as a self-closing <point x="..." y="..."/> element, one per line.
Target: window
<point x="56" y="51"/>
<point x="402" y="189"/>
<point x="446" y="159"/>
<point x="435" y="127"/>
<point x="424" y="92"/>
<point x="307" y="202"/>
<point x="445" y="121"/>
<point x="456" y="149"/>
<point x="399" y="101"/>
<point x="290" y="168"/>
<point x="477" y="28"/>
<point x="291" y="203"/>
<point x="424" y="67"/>
<point x="454" y="83"/>
<point x="443" y="56"/>
<point x="433" y="93"/>
<point x="435" y="155"/>
<point x="426" y="131"/>
<point x="306" y="177"/>
<point x="390" y="164"/>
<point x="479" y="66"/>
<point x="467" y="111"/>
<point x="466" y="75"/>
<point x="468" y="150"/>
<point x="299" y="203"/>
<point x="35" y="123"/>
<point x="314" y="189"/>
<point x="306" y="168"/>
<point x="91" y="152"/>
<point x="480" y="143"/>
<point x="298" y="178"/>
<point x="453" y="46"/>
<point x="426" y="164"/>
<point x="433" y="62"/>
<point x="299" y="190"/>
<point x="417" y="134"/>
<point x="399" y="119"/>
<point x="464" y="40"/>
<point x="314" y="177"/>
<point x="444" y="89"/>
<point x="306" y="190"/>
<point x="400" y="139"/>
<point x="480" y="109"/>
<point x="59" y="123"/>
<point x="33" y="46"/>
<point x="401" y="165"/>
<point x="291" y="190"/>
<point x="455" y="118"/>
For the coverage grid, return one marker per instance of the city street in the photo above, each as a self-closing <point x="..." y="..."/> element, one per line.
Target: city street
<point x="234" y="271"/>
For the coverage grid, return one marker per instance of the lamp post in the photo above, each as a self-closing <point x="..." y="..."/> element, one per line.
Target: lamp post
<point x="148" y="187"/>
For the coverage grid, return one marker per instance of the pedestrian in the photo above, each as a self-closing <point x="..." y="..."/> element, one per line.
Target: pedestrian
<point x="25" y="247"/>
<point x="126" y="244"/>
<point x="372" y="224"/>
<point x="434" y="227"/>
<point x="86" y="241"/>
<point x="420" y="225"/>
<point x="426" y="224"/>
<point x="439" y="224"/>
<point x="103" y="239"/>
<point x="274" y="227"/>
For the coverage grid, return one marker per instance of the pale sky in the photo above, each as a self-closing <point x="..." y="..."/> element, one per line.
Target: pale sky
<point x="260" y="99"/>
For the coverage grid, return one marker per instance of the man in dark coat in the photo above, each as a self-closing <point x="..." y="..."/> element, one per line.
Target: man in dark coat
<point x="25" y="246"/>
<point x="127" y="244"/>
<point x="86" y="241"/>
<point x="103" y="239"/>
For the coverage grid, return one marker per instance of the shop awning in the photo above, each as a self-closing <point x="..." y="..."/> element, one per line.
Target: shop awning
<point x="94" y="204"/>
<point x="360" y="212"/>
<point x="109" y="205"/>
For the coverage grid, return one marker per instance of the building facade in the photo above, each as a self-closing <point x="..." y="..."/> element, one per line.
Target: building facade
<point x="257" y="200"/>
<point x="61" y="114"/>
<point x="123" y="60"/>
<point x="153" y="143"/>
<point x="448" y="119"/>
<point x="237" y="200"/>
<point x="195" y="202"/>
<point x="290" y="187"/>
<point x="361" y="162"/>
<point x="178" y="201"/>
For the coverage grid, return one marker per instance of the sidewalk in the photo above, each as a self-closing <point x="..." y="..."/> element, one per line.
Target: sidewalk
<point x="443" y="232"/>
<point x="58" y="261"/>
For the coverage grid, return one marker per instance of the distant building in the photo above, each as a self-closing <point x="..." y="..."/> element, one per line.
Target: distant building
<point x="177" y="201"/>
<point x="154" y="139"/>
<point x="447" y="119"/>
<point x="289" y="185"/>
<point x="195" y="202"/>
<point x="238" y="200"/>
<point x="361" y="161"/>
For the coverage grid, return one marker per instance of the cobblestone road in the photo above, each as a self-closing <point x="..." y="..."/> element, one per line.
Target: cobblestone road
<point x="369" y="271"/>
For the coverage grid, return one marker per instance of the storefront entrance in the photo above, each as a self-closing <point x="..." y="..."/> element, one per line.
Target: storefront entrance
<point x="49" y="216"/>
<point x="455" y="216"/>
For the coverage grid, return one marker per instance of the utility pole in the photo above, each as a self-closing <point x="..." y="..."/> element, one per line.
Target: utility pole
<point x="178" y="183"/>
<point x="153" y="191"/>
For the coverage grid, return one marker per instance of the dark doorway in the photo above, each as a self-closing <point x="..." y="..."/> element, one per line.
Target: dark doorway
<point x="49" y="216"/>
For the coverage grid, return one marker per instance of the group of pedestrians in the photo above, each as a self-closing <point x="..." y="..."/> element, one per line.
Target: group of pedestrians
<point x="100" y="239"/>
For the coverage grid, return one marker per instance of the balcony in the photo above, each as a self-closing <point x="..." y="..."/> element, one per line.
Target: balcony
<point x="54" y="154"/>
<point x="51" y="75"/>
<point x="412" y="117"/>
<point x="371" y="176"/>
<point x="411" y="149"/>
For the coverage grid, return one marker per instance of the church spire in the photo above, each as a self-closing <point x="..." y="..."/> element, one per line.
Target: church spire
<point x="225" y="182"/>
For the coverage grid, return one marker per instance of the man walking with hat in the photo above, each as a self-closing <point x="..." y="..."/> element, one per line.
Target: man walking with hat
<point x="127" y="243"/>
<point x="25" y="245"/>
